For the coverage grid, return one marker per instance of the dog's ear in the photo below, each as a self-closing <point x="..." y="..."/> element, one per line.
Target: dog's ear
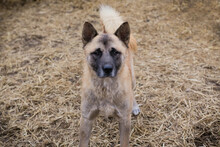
<point x="123" y="33"/>
<point x="88" y="33"/>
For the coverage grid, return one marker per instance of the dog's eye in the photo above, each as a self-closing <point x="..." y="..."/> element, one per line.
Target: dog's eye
<point x="114" y="52"/>
<point x="97" y="52"/>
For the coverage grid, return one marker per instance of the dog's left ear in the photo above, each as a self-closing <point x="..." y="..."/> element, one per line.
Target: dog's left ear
<point x="123" y="33"/>
<point x="88" y="33"/>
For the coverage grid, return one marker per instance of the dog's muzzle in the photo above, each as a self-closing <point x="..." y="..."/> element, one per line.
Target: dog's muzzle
<point x="107" y="70"/>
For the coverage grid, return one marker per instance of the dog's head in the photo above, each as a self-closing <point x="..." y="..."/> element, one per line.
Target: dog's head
<point x="105" y="53"/>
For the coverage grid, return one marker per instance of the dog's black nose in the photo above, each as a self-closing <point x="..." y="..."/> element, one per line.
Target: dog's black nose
<point x="107" y="68"/>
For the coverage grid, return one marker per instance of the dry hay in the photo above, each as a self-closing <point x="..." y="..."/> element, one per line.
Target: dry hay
<point x="177" y="69"/>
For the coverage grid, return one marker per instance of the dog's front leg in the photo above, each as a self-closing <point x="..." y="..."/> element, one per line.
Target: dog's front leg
<point x="124" y="127"/>
<point x="85" y="131"/>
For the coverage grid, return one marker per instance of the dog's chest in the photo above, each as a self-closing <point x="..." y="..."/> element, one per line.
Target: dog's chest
<point x="108" y="109"/>
<point x="107" y="93"/>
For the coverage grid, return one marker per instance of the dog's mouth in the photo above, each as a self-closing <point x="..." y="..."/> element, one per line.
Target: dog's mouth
<point x="103" y="74"/>
<point x="106" y="75"/>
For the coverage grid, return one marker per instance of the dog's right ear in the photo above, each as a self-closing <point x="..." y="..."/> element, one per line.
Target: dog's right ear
<point x="88" y="33"/>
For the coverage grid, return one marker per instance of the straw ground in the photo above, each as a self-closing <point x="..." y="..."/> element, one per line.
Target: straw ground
<point x="177" y="70"/>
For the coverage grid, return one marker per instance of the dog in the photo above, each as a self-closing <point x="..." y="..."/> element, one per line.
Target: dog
<point x="108" y="77"/>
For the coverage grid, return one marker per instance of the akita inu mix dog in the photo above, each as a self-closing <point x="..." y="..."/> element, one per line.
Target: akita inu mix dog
<point x="108" y="77"/>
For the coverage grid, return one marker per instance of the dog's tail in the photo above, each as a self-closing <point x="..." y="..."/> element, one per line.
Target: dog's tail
<point x="111" y="20"/>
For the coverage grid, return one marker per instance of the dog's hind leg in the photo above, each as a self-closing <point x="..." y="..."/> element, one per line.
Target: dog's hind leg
<point x="135" y="110"/>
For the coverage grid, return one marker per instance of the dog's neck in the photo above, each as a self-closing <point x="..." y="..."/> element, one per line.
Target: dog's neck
<point x="105" y="83"/>
<point x="104" y="86"/>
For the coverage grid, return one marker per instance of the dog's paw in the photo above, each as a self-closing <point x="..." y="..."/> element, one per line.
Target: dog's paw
<point x="136" y="110"/>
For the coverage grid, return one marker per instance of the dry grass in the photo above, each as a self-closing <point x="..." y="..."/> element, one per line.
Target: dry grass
<point x="177" y="69"/>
